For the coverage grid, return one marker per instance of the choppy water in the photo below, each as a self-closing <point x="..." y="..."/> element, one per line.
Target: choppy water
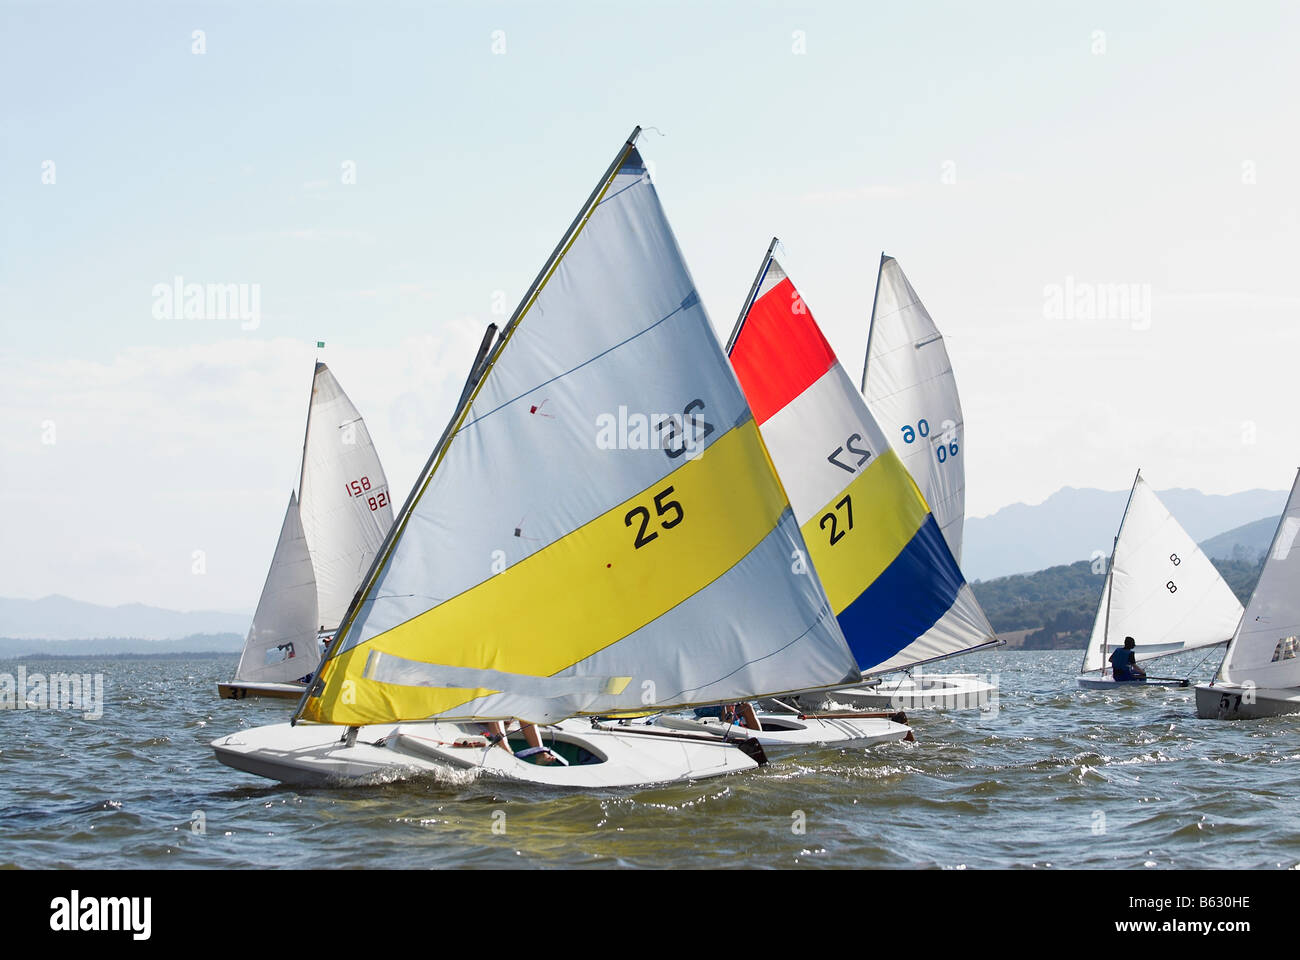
<point x="1057" y="777"/>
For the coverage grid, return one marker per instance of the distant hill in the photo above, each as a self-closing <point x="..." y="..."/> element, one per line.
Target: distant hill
<point x="1073" y="523"/>
<point x="61" y="618"/>
<point x="11" y="648"/>
<point x="1054" y="608"/>
<point x="1248" y="542"/>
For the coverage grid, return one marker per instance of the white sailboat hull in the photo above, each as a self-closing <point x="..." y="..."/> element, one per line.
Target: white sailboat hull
<point x="315" y="755"/>
<point x="933" y="691"/>
<point x="785" y="733"/>
<point x="1230" y="701"/>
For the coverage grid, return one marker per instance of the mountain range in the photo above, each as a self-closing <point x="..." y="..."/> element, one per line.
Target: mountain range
<point x="1073" y="524"/>
<point x="62" y="618"/>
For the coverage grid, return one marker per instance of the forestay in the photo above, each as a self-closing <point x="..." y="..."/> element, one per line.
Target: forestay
<point x="281" y="645"/>
<point x="1160" y="589"/>
<point x="602" y="530"/>
<point x="892" y="581"/>
<point x="345" y="503"/>
<point x="1266" y="648"/>
<point x="909" y="386"/>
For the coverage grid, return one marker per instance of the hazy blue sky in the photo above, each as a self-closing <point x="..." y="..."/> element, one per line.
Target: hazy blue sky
<point x="995" y="149"/>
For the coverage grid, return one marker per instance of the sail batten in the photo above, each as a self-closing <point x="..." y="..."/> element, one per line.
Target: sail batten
<point x="600" y="499"/>
<point x="1160" y="589"/>
<point x="892" y="582"/>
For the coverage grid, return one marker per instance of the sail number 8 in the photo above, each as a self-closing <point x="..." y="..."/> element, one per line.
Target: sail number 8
<point x="662" y="508"/>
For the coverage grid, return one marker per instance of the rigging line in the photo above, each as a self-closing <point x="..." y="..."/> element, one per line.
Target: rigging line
<point x="1203" y="659"/>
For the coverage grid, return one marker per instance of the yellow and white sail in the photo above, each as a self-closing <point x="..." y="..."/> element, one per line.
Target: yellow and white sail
<point x="602" y="529"/>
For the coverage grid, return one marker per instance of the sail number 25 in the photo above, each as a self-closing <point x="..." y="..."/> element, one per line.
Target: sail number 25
<point x="663" y="507"/>
<point x="361" y="488"/>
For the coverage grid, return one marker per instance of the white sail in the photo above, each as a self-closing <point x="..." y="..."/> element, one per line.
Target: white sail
<point x="345" y="504"/>
<point x="1161" y="590"/>
<point x="602" y="531"/>
<point x="909" y="386"/>
<point x="1266" y="648"/>
<point x="281" y="645"/>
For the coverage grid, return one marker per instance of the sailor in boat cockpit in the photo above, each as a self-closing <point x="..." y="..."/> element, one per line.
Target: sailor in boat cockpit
<point x="1124" y="662"/>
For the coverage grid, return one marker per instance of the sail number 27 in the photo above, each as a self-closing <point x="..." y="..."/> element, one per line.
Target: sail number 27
<point x="663" y="507"/>
<point x="361" y="488"/>
<point x="833" y="519"/>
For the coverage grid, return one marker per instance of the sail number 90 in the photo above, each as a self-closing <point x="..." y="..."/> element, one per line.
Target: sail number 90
<point x="945" y="448"/>
<point x="662" y="508"/>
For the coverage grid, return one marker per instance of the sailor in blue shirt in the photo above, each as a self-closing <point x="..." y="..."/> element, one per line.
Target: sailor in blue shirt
<point x="1124" y="662"/>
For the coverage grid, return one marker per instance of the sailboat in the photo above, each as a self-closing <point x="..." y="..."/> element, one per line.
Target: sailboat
<point x="1161" y="590"/>
<point x="1260" y="676"/>
<point x="892" y="580"/>
<point x="329" y="538"/>
<point x="598" y="532"/>
<point x="908" y="384"/>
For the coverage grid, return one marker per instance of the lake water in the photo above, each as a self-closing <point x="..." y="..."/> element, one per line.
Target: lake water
<point x="1055" y="777"/>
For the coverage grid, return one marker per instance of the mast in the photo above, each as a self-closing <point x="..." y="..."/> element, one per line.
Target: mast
<point x="871" y="327"/>
<point x="306" y="431"/>
<point x="1110" y="573"/>
<point x="477" y="374"/>
<point x="749" y="298"/>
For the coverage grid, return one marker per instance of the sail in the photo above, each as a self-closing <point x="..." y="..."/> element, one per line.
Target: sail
<point x="1161" y="590"/>
<point x="345" y="504"/>
<point x="892" y="581"/>
<point x="909" y="386"/>
<point x="602" y="530"/>
<point x="1266" y="648"/>
<point x="281" y="645"/>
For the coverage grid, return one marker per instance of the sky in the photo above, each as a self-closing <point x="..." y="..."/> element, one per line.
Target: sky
<point x="388" y="178"/>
